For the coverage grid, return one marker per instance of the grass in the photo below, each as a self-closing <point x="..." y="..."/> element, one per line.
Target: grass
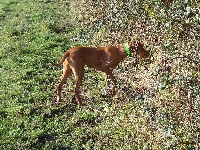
<point x="35" y="33"/>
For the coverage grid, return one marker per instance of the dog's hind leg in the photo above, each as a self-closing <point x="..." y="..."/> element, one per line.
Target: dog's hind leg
<point x="66" y="73"/>
<point x="78" y="72"/>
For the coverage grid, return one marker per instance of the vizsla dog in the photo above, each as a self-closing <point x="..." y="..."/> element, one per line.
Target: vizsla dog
<point x="104" y="59"/>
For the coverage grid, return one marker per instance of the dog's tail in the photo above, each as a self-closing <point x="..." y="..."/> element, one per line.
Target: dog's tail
<point x="66" y="54"/>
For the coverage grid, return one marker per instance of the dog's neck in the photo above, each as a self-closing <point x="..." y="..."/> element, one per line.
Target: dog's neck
<point x="124" y="48"/>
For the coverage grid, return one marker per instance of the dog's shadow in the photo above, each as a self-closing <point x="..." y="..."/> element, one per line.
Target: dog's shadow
<point x="60" y="109"/>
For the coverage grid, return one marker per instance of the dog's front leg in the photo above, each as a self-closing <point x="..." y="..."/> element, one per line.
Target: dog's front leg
<point x="108" y="70"/>
<point x="111" y="90"/>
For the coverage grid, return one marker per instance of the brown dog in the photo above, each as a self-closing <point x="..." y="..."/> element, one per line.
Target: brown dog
<point x="104" y="59"/>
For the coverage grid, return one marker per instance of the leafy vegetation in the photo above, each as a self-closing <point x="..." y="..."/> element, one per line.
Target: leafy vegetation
<point x="158" y="100"/>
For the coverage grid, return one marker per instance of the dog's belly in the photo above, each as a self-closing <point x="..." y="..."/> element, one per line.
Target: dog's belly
<point x="97" y="67"/>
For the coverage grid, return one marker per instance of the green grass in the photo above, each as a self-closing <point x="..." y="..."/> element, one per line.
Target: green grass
<point x="31" y="38"/>
<point x="35" y="33"/>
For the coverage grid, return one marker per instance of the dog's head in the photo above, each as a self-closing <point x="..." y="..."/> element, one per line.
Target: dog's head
<point x="137" y="48"/>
